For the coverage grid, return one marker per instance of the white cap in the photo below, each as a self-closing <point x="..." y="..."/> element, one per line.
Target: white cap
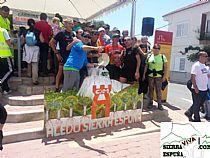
<point x="101" y="29"/>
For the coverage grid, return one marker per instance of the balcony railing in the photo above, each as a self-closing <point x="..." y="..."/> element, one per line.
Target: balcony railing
<point x="204" y="38"/>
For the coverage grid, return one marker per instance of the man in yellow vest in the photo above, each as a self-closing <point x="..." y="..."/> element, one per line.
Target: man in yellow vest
<point x="5" y="61"/>
<point x="156" y="67"/>
<point x="4" y="21"/>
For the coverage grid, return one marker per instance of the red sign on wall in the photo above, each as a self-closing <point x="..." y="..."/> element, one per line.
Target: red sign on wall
<point x="163" y="37"/>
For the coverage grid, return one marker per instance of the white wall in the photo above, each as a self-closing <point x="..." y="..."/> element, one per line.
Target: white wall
<point x="193" y="17"/>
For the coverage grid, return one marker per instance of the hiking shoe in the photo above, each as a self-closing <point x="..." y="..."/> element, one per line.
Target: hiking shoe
<point x="57" y="90"/>
<point x="160" y="107"/>
<point x="150" y="105"/>
<point x="36" y="83"/>
<point x="187" y="113"/>
<point x="202" y="110"/>
<point x="7" y="92"/>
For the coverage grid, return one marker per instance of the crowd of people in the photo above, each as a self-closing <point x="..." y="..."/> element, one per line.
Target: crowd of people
<point x="72" y="48"/>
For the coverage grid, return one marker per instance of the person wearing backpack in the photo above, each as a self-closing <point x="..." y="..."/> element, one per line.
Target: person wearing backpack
<point x="31" y="50"/>
<point x="199" y="78"/>
<point x="156" y="67"/>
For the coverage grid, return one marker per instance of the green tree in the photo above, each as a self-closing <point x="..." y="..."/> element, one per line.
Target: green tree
<point x="193" y="57"/>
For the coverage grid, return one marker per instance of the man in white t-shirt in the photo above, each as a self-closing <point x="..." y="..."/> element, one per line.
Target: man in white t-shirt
<point x="199" y="77"/>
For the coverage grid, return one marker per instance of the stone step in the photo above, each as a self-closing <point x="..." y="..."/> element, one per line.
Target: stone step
<point x="17" y="114"/>
<point x="15" y="132"/>
<point x="24" y="100"/>
<point x="14" y="82"/>
<point x="42" y="80"/>
<point x="34" y="89"/>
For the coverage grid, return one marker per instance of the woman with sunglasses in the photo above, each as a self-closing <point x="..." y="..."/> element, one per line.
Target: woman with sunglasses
<point x="156" y="67"/>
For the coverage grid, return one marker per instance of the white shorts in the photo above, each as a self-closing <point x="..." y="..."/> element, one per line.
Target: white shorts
<point x="30" y="53"/>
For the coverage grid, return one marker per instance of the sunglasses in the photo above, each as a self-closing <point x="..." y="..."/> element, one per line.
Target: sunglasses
<point x="4" y="12"/>
<point x="156" y="48"/>
<point x="87" y="37"/>
<point x="127" y="40"/>
<point x="80" y="32"/>
<point x="116" y="37"/>
<point x="96" y="34"/>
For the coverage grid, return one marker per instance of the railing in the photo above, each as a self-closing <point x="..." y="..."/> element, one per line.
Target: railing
<point x="204" y="36"/>
<point x="17" y="43"/>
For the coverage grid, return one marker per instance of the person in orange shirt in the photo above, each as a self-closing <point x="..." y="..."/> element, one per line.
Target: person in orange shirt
<point x="115" y="52"/>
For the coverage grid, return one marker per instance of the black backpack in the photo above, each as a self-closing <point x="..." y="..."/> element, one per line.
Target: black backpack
<point x="165" y="83"/>
<point x="189" y="84"/>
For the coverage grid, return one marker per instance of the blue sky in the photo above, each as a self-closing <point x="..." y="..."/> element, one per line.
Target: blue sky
<point x="144" y="8"/>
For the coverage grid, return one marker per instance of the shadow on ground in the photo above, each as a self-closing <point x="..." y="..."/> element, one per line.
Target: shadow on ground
<point x="80" y="138"/>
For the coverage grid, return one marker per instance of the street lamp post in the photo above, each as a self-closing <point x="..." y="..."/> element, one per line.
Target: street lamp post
<point x="133" y="18"/>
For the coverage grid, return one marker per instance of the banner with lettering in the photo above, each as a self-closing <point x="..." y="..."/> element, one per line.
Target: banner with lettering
<point x="164" y="38"/>
<point x="68" y="112"/>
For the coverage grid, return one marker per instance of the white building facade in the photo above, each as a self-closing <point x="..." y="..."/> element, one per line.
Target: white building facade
<point x="187" y="24"/>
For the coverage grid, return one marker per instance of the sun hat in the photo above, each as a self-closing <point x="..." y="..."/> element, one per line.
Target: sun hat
<point x="68" y="20"/>
<point x="101" y="29"/>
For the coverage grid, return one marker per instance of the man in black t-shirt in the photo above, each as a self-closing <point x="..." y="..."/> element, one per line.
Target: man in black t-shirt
<point x="131" y="65"/>
<point x="65" y="41"/>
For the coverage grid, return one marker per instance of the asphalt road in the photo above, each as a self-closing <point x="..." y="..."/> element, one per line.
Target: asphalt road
<point x="179" y="96"/>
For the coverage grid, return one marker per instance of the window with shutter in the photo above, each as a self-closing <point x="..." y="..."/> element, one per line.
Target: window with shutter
<point x="203" y="26"/>
<point x="208" y="27"/>
<point x="182" y="30"/>
<point x="180" y="64"/>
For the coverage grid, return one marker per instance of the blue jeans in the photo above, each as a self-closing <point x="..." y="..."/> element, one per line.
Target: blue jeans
<point x="198" y="100"/>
